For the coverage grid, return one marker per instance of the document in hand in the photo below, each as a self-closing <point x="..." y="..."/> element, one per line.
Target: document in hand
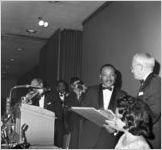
<point x="96" y="116"/>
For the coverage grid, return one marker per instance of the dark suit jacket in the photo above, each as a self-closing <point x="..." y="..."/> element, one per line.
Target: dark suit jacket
<point x="59" y="123"/>
<point x="91" y="136"/>
<point x="53" y="103"/>
<point x="151" y="94"/>
<point x="48" y="101"/>
<point x="72" y="120"/>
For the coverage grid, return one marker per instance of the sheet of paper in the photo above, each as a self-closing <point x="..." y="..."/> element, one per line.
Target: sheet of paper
<point x="96" y="116"/>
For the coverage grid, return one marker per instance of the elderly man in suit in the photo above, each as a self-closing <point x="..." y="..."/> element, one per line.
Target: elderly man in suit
<point x="150" y="91"/>
<point x="102" y="96"/>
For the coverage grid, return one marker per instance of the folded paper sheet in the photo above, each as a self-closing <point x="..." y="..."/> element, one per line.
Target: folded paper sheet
<point x="96" y="116"/>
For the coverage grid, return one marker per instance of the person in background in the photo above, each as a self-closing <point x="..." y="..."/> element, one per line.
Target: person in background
<point x="38" y="95"/>
<point x="133" y="118"/>
<point x="102" y="96"/>
<point x="150" y="91"/>
<point x="59" y="97"/>
<point x="72" y="120"/>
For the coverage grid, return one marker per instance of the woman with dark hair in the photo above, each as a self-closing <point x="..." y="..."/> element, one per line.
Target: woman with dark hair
<point x="132" y="118"/>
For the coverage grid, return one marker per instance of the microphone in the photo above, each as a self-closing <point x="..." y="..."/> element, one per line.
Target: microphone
<point x="27" y="86"/>
<point x="22" y="86"/>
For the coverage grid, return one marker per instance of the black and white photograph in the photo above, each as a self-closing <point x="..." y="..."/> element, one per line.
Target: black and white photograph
<point x="80" y="74"/>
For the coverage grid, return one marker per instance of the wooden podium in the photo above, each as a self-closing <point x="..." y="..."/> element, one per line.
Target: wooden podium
<point x="40" y="125"/>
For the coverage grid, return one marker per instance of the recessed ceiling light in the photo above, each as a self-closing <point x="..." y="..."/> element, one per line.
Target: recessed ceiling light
<point x="19" y="49"/>
<point x="12" y="59"/>
<point x="42" y="23"/>
<point x="31" y="31"/>
<point x="45" y="24"/>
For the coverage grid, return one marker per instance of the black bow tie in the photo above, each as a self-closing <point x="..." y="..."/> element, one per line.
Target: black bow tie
<point x="61" y="94"/>
<point x="108" y="88"/>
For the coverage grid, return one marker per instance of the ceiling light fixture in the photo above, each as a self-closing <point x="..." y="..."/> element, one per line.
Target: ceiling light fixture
<point x="12" y="59"/>
<point x="31" y="31"/>
<point x="19" y="49"/>
<point x="42" y="23"/>
<point x="45" y="24"/>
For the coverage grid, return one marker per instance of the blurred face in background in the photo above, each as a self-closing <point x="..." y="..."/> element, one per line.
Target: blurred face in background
<point x="74" y="87"/>
<point x="74" y="84"/>
<point x="61" y="87"/>
<point x="36" y="83"/>
<point x="137" y="69"/>
<point x="107" y="76"/>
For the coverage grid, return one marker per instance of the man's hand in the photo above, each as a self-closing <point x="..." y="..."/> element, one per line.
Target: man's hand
<point x="108" y="128"/>
<point x="116" y="124"/>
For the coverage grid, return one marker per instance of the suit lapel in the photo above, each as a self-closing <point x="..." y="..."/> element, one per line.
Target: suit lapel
<point x="47" y="101"/>
<point x="112" y="100"/>
<point x="144" y="85"/>
<point x="100" y="97"/>
<point x="147" y="81"/>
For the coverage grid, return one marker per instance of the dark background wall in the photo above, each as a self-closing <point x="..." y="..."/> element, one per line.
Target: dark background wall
<point x="60" y="58"/>
<point x="116" y="33"/>
<point x="112" y="35"/>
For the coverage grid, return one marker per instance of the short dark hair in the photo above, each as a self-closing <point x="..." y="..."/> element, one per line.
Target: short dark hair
<point x="136" y="114"/>
<point x="107" y="65"/>
<point x="73" y="79"/>
<point x="64" y="82"/>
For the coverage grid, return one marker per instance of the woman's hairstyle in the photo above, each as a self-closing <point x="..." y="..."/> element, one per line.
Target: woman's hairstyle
<point x="136" y="114"/>
<point x="73" y="79"/>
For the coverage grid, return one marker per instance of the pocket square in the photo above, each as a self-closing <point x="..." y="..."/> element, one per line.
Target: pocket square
<point x="140" y="93"/>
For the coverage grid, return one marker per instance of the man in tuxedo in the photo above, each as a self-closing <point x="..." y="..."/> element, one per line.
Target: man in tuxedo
<point x="150" y="91"/>
<point x="102" y="96"/>
<point x="39" y="95"/>
<point x="59" y="97"/>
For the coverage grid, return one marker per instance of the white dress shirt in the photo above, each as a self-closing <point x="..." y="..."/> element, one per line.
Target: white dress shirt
<point x="106" y="97"/>
<point x="41" y="102"/>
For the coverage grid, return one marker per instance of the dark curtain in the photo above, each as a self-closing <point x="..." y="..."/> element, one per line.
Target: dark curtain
<point x="70" y="54"/>
<point x="60" y="58"/>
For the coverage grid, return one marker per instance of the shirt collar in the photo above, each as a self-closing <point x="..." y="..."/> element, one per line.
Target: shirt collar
<point x="146" y="75"/>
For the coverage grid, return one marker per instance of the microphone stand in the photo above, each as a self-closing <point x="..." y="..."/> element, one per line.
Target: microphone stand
<point x="7" y="125"/>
